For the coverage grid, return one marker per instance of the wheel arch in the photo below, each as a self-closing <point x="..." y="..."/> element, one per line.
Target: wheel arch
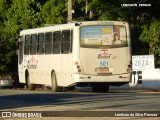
<point x="53" y="71"/>
<point x="54" y="82"/>
<point x="26" y="76"/>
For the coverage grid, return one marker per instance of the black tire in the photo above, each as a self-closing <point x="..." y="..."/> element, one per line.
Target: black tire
<point x="32" y="86"/>
<point x="55" y="87"/>
<point x="100" y="88"/>
<point x="65" y="89"/>
<point x="21" y="85"/>
<point x="71" y="88"/>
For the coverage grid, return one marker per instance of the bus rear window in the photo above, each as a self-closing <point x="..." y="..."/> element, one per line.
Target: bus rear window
<point x="103" y="36"/>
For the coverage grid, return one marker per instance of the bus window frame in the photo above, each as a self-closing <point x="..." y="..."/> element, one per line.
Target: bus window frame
<point x="20" y="49"/>
<point x="27" y="45"/>
<point x="33" y="47"/>
<point x="40" y="45"/>
<point x="71" y="40"/>
<point x="104" y="46"/>
<point x="66" y="42"/>
<point x="57" y="36"/>
<point x="48" y="43"/>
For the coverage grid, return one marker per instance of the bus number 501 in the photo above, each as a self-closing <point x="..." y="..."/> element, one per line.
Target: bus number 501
<point x="103" y="63"/>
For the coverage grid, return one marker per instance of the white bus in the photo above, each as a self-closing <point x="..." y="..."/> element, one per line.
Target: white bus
<point x="94" y="53"/>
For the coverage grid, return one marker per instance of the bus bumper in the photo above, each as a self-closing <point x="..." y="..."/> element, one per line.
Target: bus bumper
<point x="95" y="78"/>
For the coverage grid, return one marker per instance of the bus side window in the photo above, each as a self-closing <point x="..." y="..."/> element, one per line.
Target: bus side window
<point x="48" y="43"/>
<point x="21" y="50"/>
<point x="26" y="46"/>
<point x="65" y="44"/>
<point x="21" y="46"/>
<point x="40" y="44"/>
<point x="56" y="42"/>
<point x="33" y="44"/>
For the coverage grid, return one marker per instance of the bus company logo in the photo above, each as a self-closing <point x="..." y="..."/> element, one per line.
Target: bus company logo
<point x="32" y="60"/>
<point x="32" y="63"/>
<point x="104" y="55"/>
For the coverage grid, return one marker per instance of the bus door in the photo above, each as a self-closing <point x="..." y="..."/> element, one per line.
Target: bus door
<point x="21" y="61"/>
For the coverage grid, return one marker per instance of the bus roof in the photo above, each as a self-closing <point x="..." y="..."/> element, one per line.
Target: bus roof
<point x="47" y="28"/>
<point x="58" y="27"/>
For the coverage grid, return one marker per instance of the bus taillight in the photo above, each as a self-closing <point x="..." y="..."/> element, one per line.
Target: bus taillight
<point x="76" y="63"/>
<point x="129" y="69"/>
<point x="79" y="70"/>
<point x="78" y="66"/>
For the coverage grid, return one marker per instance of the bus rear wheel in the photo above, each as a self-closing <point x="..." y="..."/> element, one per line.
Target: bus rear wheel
<point x="28" y="85"/>
<point x="100" y="88"/>
<point x="55" y="87"/>
<point x="32" y="87"/>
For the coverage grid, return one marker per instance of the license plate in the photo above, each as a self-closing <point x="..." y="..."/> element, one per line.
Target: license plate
<point x="102" y="69"/>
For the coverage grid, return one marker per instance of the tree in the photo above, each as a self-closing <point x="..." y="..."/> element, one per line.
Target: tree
<point x="4" y="6"/>
<point x="79" y="10"/>
<point x="21" y="14"/>
<point x="151" y="35"/>
<point x="54" y="12"/>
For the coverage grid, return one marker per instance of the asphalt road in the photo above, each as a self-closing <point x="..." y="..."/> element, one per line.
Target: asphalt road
<point x="115" y="100"/>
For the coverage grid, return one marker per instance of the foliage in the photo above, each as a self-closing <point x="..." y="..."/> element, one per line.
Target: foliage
<point x="4" y="6"/>
<point x="151" y="35"/>
<point x="54" y="12"/>
<point x="22" y="14"/>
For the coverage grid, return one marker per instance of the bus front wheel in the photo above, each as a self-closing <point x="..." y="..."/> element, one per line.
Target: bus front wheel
<point x="55" y="87"/>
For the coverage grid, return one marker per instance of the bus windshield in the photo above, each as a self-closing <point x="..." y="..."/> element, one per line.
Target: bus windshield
<point x="110" y="35"/>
